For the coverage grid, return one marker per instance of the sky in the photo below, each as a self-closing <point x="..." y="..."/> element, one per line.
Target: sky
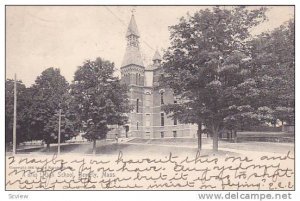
<point x="39" y="37"/>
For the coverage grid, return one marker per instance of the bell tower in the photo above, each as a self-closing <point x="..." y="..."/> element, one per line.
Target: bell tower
<point x="132" y="74"/>
<point x="132" y="69"/>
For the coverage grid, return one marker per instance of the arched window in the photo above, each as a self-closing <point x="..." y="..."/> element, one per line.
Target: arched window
<point x="174" y="134"/>
<point x="139" y="79"/>
<point x="162" y="119"/>
<point x="175" y="121"/>
<point x="136" y="78"/>
<point x="162" y="98"/>
<point x="137" y="105"/>
<point x="148" y="99"/>
<point x="147" y="120"/>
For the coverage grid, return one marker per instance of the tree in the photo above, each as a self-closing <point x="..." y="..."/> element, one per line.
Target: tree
<point x="23" y="102"/>
<point x="273" y="68"/>
<point x="99" y="99"/>
<point x="49" y="94"/>
<point x="206" y="65"/>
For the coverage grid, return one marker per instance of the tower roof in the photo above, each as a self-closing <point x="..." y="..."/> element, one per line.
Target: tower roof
<point x="132" y="53"/>
<point x="132" y="28"/>
<point x="156" y="56"/>
<point x="132" y="56"/>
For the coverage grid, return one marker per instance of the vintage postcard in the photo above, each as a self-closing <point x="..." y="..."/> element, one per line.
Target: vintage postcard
<point x="150" y="98"/>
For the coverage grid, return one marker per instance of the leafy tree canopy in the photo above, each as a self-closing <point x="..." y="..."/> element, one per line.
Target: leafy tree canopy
<point x="99" y="99"/>
<point x="207" y="65"/>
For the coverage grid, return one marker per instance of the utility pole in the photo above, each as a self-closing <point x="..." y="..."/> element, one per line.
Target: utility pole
<point x="15" y="117"/>
<point x="59" y="123"/>
<point x="199" y="133"/>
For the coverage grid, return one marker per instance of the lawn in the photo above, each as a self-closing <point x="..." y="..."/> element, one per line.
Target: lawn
<point x="128" y="149"/>
<point x="178" y="146"/>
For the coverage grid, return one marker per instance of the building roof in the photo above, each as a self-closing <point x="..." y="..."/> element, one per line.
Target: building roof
<point x="156" y="56"/>
<point x="132" y="28"/>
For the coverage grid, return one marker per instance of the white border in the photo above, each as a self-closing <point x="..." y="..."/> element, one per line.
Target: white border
<point x="124" y="195"/>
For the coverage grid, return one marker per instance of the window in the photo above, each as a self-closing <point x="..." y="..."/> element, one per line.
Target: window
<point x="148" y="100"/>
<point x="147" y="120"/>
<point x="137" y="105"/>
<point x="137" y="125"/>
<point x="162" y="134"/>
<point x="125" y="78"/>
<point x="162" y="119"/>
<point x="136" y="78"/>
<point x="174" y="133"/>
<point x="162" y="98"/>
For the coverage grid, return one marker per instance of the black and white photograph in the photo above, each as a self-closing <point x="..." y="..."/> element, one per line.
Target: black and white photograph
<point x="150" y="98"/>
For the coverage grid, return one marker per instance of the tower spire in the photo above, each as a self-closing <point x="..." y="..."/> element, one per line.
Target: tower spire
<point x="156" y="56"/>
<point x="132" y="54"/>
<point x="132" y="27"/>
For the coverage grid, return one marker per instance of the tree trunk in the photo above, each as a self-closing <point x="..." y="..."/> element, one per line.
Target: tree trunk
<point x="199" y="134"/>
<point x="94" y="146"/>
<point x="215" y="138"/>
<point x="235" y="136"/>
<point x="48" y="147"/>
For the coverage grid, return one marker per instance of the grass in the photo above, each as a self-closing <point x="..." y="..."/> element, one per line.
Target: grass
<point x="128" y="149"/>
<point x="247" y="141"/>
